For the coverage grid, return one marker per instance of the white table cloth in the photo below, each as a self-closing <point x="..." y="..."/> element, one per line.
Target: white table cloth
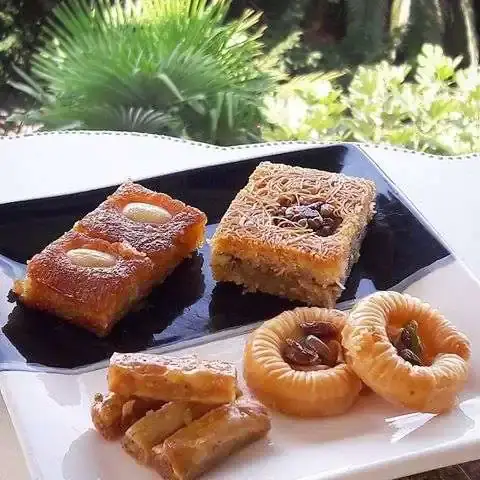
<point x="445" y="190"/>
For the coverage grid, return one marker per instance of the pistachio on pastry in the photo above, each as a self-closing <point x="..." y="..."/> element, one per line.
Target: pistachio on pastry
<point x="422" y="367"/>
<point x="296" y="372"/>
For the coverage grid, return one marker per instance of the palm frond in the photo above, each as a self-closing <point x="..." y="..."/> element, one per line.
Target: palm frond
<point x="175" y="57"/>
<point x="30" y="87"/>
<point x="134" y="119"/>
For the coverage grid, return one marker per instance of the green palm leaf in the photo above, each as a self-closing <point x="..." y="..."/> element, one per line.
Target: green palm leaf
<point x="173" y="57"/>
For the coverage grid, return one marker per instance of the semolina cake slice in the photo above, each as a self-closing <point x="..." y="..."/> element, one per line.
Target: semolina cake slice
<point x="293" y="232"/>
<point x="87" y="281"/>
<point x="165" y="229"/>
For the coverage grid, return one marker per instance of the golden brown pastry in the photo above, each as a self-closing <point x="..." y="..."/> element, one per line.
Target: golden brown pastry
<point x="136" y="408"/>
<point x="202" y="444"/>
<point x="165" y="229"/>
<point x="157" y="425"/>
<point x="406" y="351"/>
<point x="172" y="378"/>
<point x="293" y="232"/>
<point x="89" y="282"/>
<point x="113" y="414"/>
<point x="112" y="258"/>
<point x="293" y="363"/>
<point x="106" y="413"/>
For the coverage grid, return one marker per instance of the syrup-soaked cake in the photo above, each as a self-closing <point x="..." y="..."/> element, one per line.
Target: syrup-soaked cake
<point x="165" y="229"/>
<point x="293" y="232"/>
<point x="87" y="281"/>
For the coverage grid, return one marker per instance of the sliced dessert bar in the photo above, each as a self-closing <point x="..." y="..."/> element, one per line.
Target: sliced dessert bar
<point x="87" y="281"/>
<point x="165" y="229"/>
<point x="172" y="378"/>
<point x="205" y="442"/>
<point x="158" y="425"/>
<point x="293" y="232"/>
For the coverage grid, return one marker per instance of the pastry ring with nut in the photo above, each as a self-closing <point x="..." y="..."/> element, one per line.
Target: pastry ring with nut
<point x="406" y="351"/>
<point x="293" y="363"/>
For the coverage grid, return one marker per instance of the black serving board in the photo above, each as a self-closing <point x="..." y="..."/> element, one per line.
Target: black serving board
<point x="190" y="304"/>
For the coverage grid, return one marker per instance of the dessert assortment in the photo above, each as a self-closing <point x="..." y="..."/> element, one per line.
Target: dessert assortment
<point x="312" y="362"/>
<point x="193" y="450"/>
<point x="164" y="229"/>
<point x="290" y="232"/>
<point x="112" y="258"/>
<point x="182" y="415"/>
<point x="178" y="415"/>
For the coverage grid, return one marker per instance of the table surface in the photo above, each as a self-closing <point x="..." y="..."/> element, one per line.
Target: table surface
<point x="69" y="162"/>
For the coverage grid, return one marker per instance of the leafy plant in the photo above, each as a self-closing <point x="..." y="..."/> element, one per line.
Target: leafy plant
<point x="337" y="34"/>
<point x="20" y="22"/>
<point x="159" y="66"/>
<point x="308" y="107"/>
<point x="436" y="113"/>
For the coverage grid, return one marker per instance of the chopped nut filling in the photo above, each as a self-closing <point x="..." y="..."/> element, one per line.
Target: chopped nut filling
<point x="318" y="349"/>
<point x="317" y="216"/>
<point x="408" y="344"/>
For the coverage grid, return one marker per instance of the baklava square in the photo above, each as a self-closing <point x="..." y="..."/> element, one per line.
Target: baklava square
<point x="293" y="232"/>
<point x="165" y="229"/>
<point x="89" y="282"/>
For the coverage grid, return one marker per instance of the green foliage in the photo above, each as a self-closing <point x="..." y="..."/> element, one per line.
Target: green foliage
<point x="437" y="113"/>
<point x="161" y="66"/>
<point x="331" y="34"/>
<point x="338" y="34"/>
<point x="20" y="22"/>
<point x="306" y="108"/>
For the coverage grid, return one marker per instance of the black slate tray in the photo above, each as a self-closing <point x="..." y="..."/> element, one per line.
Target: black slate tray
<point x="190" y="304"/>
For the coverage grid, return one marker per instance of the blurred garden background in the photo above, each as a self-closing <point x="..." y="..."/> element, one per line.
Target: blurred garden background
<point x="404" y="72"/>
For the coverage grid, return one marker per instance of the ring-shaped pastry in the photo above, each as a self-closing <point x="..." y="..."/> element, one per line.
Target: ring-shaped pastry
<point x="299" y="393"/>
<point x="431" y="387"/>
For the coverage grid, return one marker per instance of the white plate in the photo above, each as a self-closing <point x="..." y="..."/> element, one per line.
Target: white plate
<point x="372" y="441"/>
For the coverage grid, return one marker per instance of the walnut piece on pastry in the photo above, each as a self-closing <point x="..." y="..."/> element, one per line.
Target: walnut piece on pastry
<point x="171" y="378"/>
<point x="198" y="447"/>
<point x="293" y="363"/>
<point x="407" y="352"/>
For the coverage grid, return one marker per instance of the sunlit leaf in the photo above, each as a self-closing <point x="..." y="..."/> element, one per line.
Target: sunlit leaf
<point x="437" y="113"/>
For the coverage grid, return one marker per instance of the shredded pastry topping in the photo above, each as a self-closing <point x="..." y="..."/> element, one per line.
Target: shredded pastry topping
<point x="277" y="203"/>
